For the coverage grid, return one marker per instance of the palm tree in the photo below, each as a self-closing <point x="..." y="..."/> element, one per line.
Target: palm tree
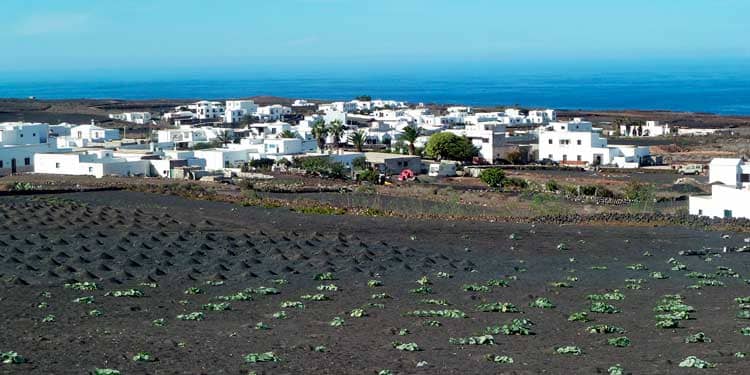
<point x="223" y="137"/>
<point x="358" y="139"/>
<point x="288" y="134"/>
<point x="410" y="136"/>
<point x="336" y="129"/>
<point x="319" y="132"/>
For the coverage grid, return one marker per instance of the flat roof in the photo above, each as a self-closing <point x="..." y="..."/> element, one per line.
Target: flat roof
<point x="383" y="156"/>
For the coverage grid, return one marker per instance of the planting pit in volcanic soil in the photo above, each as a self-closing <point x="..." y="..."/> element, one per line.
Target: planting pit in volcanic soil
<point x="145" y="283"/>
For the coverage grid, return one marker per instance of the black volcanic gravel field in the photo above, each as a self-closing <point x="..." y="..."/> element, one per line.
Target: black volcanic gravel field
<point x="183" y="255"/>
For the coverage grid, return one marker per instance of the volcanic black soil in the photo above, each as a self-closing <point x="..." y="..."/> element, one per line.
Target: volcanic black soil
<point x="162" y="246"/>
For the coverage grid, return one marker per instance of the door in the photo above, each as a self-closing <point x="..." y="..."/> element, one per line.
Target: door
<point x="12" y="166"/>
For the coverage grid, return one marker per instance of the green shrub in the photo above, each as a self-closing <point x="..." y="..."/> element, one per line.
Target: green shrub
<point x="695" y="362"/>
<point x="493" y="177"/>
<point x="603" y="308"/>
<point x="455" y="314"/>
<point x="499" y="358"/>
<point x="336" y="322"/>
<point x="620" y="342"/>
<point x="86" y="285"/>
<point x="192" y="316"/>
<point x="604" y="328"/>
<point x="569" y="350"/>
<point x="144" y="357"/>
<point x="11" y="358"/>
<point x="408" y="347"/>
<point x="134" y="293"/>
<point x="261" y="357"/>
<point x="697" y="337"/>
<point x="542" y="303"/>
<point x="504" y="307"/>
<point x="579" y="317"/>
<point x="473" y="340"/>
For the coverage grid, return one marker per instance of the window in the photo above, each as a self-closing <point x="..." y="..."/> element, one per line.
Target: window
<point x="1" y="163"/>
<point x="700" y="212"/>
<point x="26" y="161"/>
<point x="578" y="142"/>
<point x="745" y="177"/>
<point x="550" y="156"/>
<point x="550" y="141"/>
<point x="57" y="165"/>
<point x="565" y="157"/>
<point x="578" y="158"/>
<point x="727" y="214"/>
<point x="91" y="169"/>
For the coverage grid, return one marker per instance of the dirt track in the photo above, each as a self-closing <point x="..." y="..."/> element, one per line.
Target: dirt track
<point x="121" y="239"/>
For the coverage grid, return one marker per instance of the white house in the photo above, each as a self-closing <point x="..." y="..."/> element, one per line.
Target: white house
<point x="303" y="103"/>
<point x="651" y="129"/>
<point x="273" y="112"/>
<point x="237" y="109"/>
<point x="730" y="191"/>
<point x="542" y="116"/>
<point x="180" y="117"/>
<point x="98" y="163"/>
<point x="85" y="135"/>
<point x="488" y="137"/>
<point x="18" y="144"/>
<point x="206" y="110"/>
<point x="141" y="118"/>
<point x="188" y="136"/>
<point x="577" y="142"/>
<point x="220" y="158"/>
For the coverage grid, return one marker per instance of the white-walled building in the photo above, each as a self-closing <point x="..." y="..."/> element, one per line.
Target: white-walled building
<point x="180" y="117"/>
<point x="542" y="116"/>
<point x="650" y="129"/>
<point x="141" y="118"/>
<point x="730" y="191"/>
<point x="97" y="163"/>
<point x="86" y="135"/>
<point x="206" y="110"/>
<point x="273" y="112"/>
<point x="220" y="158"/>
<point x="303" y="103"/>
<point x="18" y="144"/>
<point x="238" y="109"/>
<point x="488" y="137"/>
<point x="577" y="142"/>
<point x="188" y="136"/>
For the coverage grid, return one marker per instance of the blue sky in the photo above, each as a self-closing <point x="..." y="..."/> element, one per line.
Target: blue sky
<point x="169" y="35"/>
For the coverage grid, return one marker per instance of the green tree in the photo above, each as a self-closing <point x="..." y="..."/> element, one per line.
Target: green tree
<point x="223" y="137"/>
<point x="410" y="136"/>
<point x="288" y="134"/>
<point x="358" y="139"/>
<point x="442" y="146"/>
<point x="320" y="132"/>
<point x="336" y="129"/>
<point x="493" y="177"/>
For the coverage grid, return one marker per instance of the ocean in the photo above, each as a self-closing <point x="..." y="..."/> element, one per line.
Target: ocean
<point x="707" y="87"/>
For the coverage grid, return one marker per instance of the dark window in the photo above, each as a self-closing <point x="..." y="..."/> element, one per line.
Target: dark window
<point x="745" y="178"/>
<point x="550" y="141"/>
<point x="727" y="214"/>
<point x="578" y="157"/>
<point x="578" y="141"/>
<point x="1" y="163"/>
<point x="700" y="212"/>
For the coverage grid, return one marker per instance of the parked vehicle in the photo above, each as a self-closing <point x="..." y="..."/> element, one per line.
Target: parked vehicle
<point x="690" y="169"/>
